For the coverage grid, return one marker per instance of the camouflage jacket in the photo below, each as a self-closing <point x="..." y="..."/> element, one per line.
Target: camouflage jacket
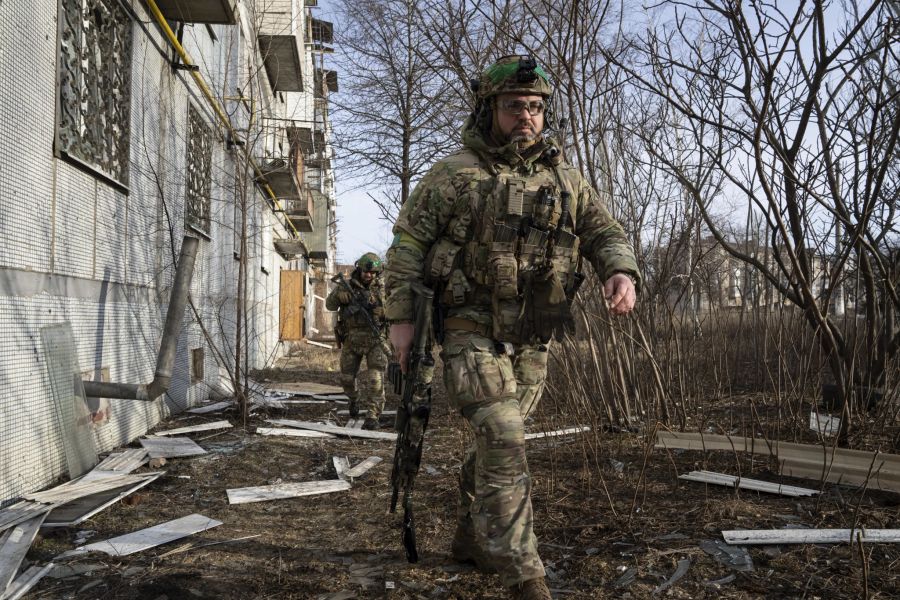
<point x="369" y="299"/>
<point x="446" y="232"/>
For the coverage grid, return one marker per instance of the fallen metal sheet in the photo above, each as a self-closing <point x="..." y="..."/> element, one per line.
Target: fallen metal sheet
<point x="680" y="571"/>
<point x="361" y="433"/>
<point x="193" y="428"/>
<point x="151" y="537"/>
<point x="74" y="490"/>
<point x="217" y="406"/>
<point x="78" y="511"/>
<point x="344" y="412"/>
<point x="320" y="344"/>
<point x="288" y="402"/>
<point x="14" y="544"/>
<point x="25" y="581"/>
<point x="124" y="462"/>
<point x="558" y="432"/>
<point x="837" y="465"/>
<point x="747" y="484"/>
<point x="362" y="467"/>
<point x="824" y="424"/>
<point x="810" y="536"/>
<point x="332" y="397"/>
<point x="341" y="466"/>
<point x="21" y="511"/>
<point x="292" y="432"/>
<point x="306" y="388"/>
<point x="733" y="557"/>
<point x="285" y="490"/>
<point x="171" y="447"/>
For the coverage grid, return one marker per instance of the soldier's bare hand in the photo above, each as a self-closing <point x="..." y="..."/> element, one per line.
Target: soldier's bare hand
<point x="401" y="339"/>
<point x="620" y="294"/>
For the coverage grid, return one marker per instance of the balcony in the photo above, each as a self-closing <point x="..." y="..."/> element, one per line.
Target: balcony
<point x="309" y="141"/>
<point x="213" y="12"/>
<point x="280" y="46"/>
<point x="290" y="248"/>
<point x="281" y="176"/>
<point x="300" y="211"/>
<point x="321" y="36"/>
<point x="317" y="241"/>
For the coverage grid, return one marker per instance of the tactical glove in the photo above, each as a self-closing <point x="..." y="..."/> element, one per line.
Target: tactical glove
<point x="343" y="297"/>
<point x="548" y="306"/>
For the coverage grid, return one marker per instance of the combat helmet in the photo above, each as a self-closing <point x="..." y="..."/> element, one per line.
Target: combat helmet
<point x="369" y="263"/>
<point x="513" y="74"/>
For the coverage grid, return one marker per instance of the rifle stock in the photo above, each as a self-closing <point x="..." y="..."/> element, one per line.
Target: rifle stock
<point x="414" y="388"/>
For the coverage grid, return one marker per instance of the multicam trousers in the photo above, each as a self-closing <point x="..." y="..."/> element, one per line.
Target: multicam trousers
<point x="495" y="392"/>
<point x="370" y="395"/>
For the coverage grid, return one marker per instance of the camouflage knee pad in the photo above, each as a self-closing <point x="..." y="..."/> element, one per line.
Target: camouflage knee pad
<point x="371" y="388"/>
<point x="530" y="368"/>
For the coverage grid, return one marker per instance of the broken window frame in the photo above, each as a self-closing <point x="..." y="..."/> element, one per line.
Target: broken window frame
<point x="93" y="96"/>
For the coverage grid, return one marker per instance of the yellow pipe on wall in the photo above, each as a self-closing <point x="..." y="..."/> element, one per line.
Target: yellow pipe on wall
<point x="217" y="108"/>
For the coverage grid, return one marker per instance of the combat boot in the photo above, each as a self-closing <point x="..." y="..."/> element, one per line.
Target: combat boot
<point x="353" y="407"/>
<point x="371" y="423"/>
<point x="533" y="589"/>
<point x="465" y="549"/>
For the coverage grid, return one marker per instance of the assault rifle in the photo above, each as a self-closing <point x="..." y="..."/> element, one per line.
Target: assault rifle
<point x="414" y="388"/>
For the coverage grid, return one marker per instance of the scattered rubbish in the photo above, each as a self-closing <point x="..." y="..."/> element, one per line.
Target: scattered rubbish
<point x="824" y="424"/>
<point x="193" y="428"/>
<point x="14" y="544"/>
<point x="227" y="447"/>
<point x="734" y="557"/>
<point x="192" y="546"/>
<point x="432" y="470"/>
<point x="717" y="583"/>
<point x="810" y="536"/>
<point x="73" y="490"/>
<point x="285" y="490"/>
<point x="319" y="344"/>
<point x="362" y="433"/>
<point x="876" y="470"/>
<point x="680" y="571"/>
<point x="21" y="511"/>
<point x="118" y="463"/>
<point x="341" y="466"/>
<point x="77" y="511"/>
<point x="151" y="537"/>
<point x="171" y="447"/>
<point x="157" y="463"/>
<point x="389" y="585"/>
<point x="74" y="570"/>
<point x="617" y="465"/>
<point x="25" y="581"/>
<point x="292" y="432"/>
<point x="747" y="484"/>
<point x="215" y="407"/>
<point x="626" y="579"/>
<point x="558" y="432"/>
<point x="83" y="536"/>
<point x="362" y="467"/>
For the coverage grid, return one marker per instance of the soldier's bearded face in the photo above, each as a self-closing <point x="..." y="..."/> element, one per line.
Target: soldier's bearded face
<point x="366" y="277"/>
<point x="521" y="127"/>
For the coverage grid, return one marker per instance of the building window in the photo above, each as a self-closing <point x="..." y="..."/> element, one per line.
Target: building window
<point x="196" y="365"/>
<point x="95" y="86"/>
<point x="199" y="172"/>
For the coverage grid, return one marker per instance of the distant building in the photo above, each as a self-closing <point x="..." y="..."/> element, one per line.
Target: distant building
<point x="128" y="124"/>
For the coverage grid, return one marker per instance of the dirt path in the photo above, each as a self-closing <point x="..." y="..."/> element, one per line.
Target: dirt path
<point x="345" y="545"/>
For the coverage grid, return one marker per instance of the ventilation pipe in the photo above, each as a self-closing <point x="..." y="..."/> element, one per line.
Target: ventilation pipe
<point x="166" y="359"/>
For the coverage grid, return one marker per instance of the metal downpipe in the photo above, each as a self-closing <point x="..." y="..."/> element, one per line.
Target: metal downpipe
<point x="165" y="361"/>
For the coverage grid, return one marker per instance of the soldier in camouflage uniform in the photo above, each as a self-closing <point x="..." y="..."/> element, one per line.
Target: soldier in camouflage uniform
<point x="361" y="312"/>
<point x="497" y="229"/>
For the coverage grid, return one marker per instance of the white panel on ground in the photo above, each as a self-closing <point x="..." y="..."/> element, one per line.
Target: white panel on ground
<point x="14" y="544"/>
<point x="810" y="536"/>
<point x="285" y="490"/>
<point x="171" y="447"/>
<point x="25" y="581"/>
<point x="361" y="433"/>
<point x="151" y="537"/>
<point x="558" y="432"/>
<point x="193" y="428"/>
<point x="74" y="490"/>
<point x="362" y="467"/>
<point x="747" y="484"/>
<point x="211" y="407"/>
<point x="292" y="432"/>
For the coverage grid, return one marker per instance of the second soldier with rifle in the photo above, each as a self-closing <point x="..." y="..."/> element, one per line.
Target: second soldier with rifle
<point x="361" y="334"/>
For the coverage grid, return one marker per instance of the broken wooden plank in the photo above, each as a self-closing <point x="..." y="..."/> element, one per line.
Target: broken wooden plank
<point x="14" y="544"/>
<point x="558" y="432"/>
<point x="217" y="406"/>
<point x="21" y="511"/>
<point x="361" y="433"/>
<point x="747" y="484"/>
<point x="362" y="467"/>
<point x="280" y="491"/>
<point x="171" y="447"/>
<point x="74" y="490"/>
<point x="810" y="536"/>
<point x="150" y="537"/>
<point x="292" y="432"/>
<point x="193" y="428"/>
<point x="78" y="511"/>
<point x="341" y="466"/>
<point x="123" y="462"/>
<point x="26" y="580"/>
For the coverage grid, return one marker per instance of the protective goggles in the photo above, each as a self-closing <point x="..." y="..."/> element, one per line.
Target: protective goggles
<point x="515" y="107"/>
<point x="371" y="266"/>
